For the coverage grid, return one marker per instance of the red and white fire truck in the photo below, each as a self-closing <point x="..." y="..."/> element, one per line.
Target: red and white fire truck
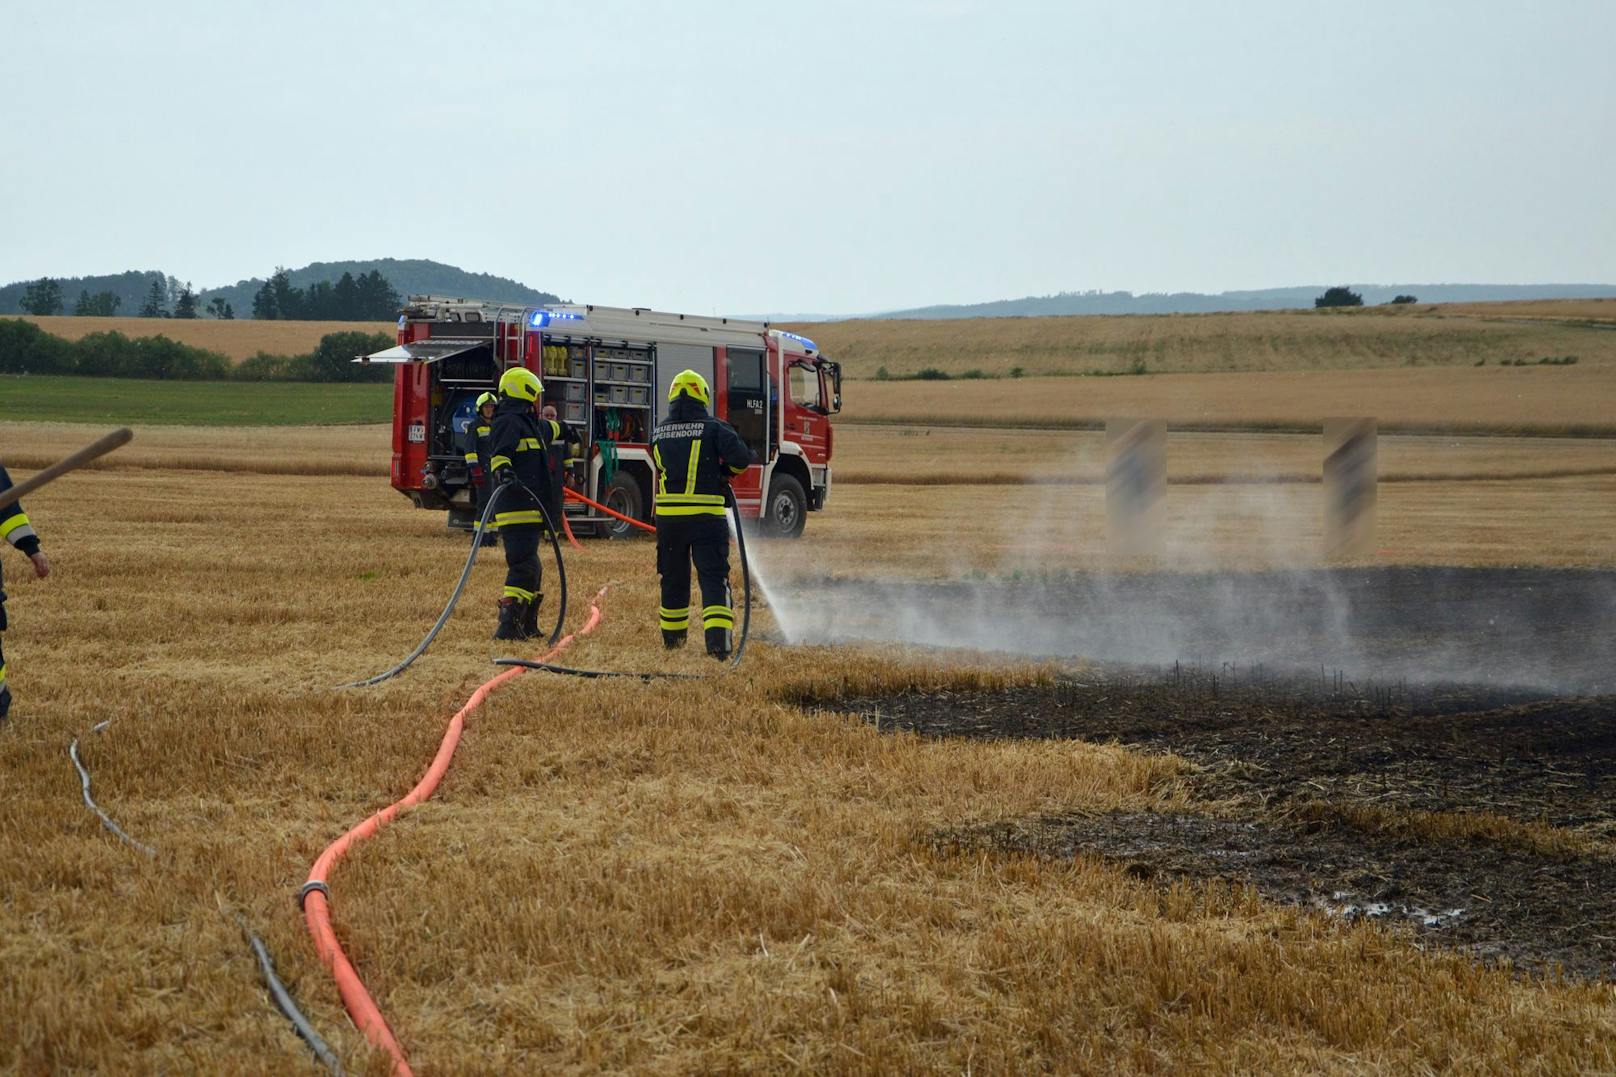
<point x="606" y="370"/>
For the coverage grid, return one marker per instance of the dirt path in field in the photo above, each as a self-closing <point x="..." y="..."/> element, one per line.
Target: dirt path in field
<point x="1318" y="791"/>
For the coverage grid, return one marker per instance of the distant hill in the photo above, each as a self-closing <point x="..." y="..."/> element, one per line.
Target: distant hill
<point x="131" y="287"/>
<point x="1097" y="302"/>
<point x="409" y="276"/>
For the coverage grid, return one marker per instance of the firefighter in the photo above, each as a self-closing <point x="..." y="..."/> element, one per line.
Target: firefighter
<point x="474" y="442"/>
<point x="518" y="447"/>
<point x="15" y="529"/>
<point x="559" y="451"/>
<point x="696" y="455"/>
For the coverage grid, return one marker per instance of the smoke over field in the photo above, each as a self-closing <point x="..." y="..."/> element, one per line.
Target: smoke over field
<point x="1544" y="628"/>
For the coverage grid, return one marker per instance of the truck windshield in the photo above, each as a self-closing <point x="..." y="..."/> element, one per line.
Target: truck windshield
<point x="804" y="386"/>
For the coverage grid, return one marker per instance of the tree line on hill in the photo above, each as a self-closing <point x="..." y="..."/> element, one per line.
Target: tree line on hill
<point x="368" y="297"/>
<point x="25" y="348"/>
<point x="44" y="297"/>
<point x="1342" y="296"/>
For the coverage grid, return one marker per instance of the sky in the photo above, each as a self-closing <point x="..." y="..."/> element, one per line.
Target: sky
<point x="815" y="157"/>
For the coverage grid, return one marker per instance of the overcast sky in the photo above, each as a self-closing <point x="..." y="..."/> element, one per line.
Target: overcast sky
<point x="837" y="157"/>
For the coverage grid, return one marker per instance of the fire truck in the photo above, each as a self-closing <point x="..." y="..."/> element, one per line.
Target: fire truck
<point x="606" y="371"/>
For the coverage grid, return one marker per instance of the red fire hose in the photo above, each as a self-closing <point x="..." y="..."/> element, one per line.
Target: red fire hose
<point x="567" y="527"/>
<point x="641" y="524"/>
<point x="315" y="895"/>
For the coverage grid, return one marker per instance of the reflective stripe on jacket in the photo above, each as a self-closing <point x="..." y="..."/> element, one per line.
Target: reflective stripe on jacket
<point x="14" y="525"/>
<point x="694" y="453"/>
<point x="474" y="443"/>
<point x="520" y="440"/>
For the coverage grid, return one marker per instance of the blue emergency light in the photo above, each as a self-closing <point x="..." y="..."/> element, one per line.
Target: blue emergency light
<point x="800" y="339"/>
<point x="542" y="318"/>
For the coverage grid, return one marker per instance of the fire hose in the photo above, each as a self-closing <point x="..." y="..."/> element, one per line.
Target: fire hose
<point x="277" y="990"/>
<point x="592" y="503"/>
<point x="740" y="642"/>
<point x="315" y="895"/>
<point x="465" y="575"/>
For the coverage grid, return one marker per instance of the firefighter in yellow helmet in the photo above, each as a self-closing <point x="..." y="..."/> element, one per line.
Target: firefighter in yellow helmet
<point x="15" y="529"/>
<point x="518" y="446"/>
<point x="474" y="443"/>
<point x="696" y="455"/>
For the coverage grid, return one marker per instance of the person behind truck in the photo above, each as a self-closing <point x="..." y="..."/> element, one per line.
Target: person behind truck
<point x="474" y="443"/>
<point x="15" y="529"/>
<point x="518" y="446"/>
<point x="696" y="455"/>
<point x="558" y="453"/>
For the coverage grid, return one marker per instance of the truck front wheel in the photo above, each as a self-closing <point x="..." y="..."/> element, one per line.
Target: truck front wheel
<point x="786" y="510"/>
<point x="623" y="494"/>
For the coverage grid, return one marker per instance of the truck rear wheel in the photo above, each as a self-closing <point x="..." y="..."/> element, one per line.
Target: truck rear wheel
<point x="623" y="494"/>
<point x="786" y="510"/>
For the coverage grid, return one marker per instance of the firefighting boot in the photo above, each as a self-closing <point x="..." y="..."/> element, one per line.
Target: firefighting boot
<point x="530" y="618"/>
<point x="512" y="612"/>
<point x="718" y="643"/>
<point x="5" y="702"/>
<point x="673" y="639"/>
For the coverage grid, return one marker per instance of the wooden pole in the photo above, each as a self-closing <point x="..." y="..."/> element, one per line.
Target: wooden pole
<point x="116" y="439"/>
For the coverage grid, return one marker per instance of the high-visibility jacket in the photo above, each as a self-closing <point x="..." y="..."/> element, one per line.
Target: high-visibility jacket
<point x="520" y="441"/>
<point x="694" y="453"/>
<point x="14" y="525"/>
<point x="474" y="443"/>
<point x="562" y="448"/>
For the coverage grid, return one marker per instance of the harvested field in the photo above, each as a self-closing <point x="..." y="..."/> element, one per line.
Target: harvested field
<point x="1564" y="401"/>
<point x="1598" y="311"/>
<point x="1318" y="341"/>
<point x="895" y="455"/>
<point x="134" y="401"/>
<point x="237" y="338"/>
<point x="942" y="455"/>
<point x="1423" y="335"/>
<point x="714" y="876"/>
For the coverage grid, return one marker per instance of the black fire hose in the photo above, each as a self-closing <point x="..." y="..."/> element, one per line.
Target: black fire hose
<point x="277" y="990"/>
<point x="746" y="576"/>
<point x="740" y="642"/>
<point x="465" y="575"/>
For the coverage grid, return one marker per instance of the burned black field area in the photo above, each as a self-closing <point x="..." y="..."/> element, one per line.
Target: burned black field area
<point x="1475" y="813"/>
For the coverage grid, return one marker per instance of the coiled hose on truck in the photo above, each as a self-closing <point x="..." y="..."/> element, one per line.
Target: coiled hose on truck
<point x="465" y="575"/>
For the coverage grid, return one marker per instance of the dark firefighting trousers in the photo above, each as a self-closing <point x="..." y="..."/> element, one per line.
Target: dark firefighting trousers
<point x="5" y="695"/>
<point x="703" y="540"/>
<point x="523" y="572"/>
<point x="481" y="492"/>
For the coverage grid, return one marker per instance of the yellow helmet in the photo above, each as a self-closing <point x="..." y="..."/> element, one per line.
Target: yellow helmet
<point x="486" y="399"/>
<point x="688" y="381"/>
<point x="521" y="383"/>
